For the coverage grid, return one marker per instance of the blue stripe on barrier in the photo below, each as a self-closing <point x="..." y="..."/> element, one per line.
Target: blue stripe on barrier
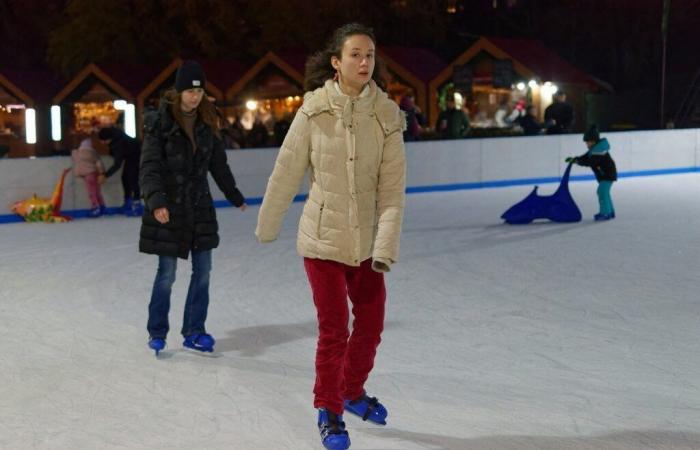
<point x="10" y="218"/>
<point x="80" y="213"/>
<point x="253" y="201"/>
<point x="73" y="213"/>
<point x="533" y="181"/>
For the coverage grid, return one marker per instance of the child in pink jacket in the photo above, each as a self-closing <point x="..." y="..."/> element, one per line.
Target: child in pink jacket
<point x="88" y="165"/>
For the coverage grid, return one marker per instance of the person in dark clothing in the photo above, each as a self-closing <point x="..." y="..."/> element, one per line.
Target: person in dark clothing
<point x="182" y="144"/>
<point x="280" y="130"/>
<point x="559" y="116"/>
<point x="452" y="123"/>
<point x="599" y="160"/>
<point x="237" y="133"/>
<point x="234" y="134"/>
<point x="258" y="135"/>
<point x="126" y="152"/>
<point x="528" y="122"/>
<point x="414" y="127"/>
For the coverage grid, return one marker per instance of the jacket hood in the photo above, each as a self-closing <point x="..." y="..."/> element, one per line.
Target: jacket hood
<point x="602" y="146"/>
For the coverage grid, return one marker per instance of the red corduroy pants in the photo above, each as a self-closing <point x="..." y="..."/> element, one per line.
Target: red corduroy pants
<point x="344" y="359"/>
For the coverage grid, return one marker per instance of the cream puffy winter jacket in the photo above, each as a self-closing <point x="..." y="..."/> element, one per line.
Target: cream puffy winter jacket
<point x="354" y="150"/>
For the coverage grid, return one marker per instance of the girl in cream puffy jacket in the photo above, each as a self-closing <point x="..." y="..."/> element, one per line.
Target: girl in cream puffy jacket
<point x="348" y="135"/>
<point x="354" y="150"/>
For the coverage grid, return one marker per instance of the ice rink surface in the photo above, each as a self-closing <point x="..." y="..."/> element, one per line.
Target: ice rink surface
<point x="543" y="336"/>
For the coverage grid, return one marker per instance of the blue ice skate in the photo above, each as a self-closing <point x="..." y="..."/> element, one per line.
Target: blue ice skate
<point x="156" y="344"/>
<point x="132" y="208"/>
<point x="136" y="208"/>
<point x="126" y="207"/>
<point x="201" y="342"/>
<point x="368" y="408"/>
<point x="97" y="211"/>
<point x="332" y="429"/>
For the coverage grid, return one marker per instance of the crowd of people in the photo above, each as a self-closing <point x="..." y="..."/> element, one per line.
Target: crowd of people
<point x="455" y="122"/>
<point x="255" y="129"/>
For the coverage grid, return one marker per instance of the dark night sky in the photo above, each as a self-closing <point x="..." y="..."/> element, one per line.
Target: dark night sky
<point x="618" y="41"/>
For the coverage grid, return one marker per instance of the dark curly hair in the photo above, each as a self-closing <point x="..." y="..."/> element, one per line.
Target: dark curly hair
<point x="319" y="68"/>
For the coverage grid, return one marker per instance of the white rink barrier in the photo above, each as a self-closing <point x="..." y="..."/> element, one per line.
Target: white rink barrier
<point x="432" y="166"/>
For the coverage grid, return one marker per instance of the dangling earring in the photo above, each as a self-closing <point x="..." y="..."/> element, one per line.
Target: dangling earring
<point x="335" y="77"/>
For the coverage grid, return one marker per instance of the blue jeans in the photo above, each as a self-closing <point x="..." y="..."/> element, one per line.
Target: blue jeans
<point x="197" y="302"/>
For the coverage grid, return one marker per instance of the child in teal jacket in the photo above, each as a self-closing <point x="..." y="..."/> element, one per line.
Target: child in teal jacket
<point x="599" y="160"/>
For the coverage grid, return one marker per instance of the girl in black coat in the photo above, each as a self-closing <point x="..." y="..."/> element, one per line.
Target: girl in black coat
<point x="182" y="144"/>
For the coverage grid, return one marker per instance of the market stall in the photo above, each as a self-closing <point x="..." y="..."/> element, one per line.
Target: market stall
<point x="24" y="102"/>
<point x="496" y="77"/>
<point x="410" y="69"/>
<point x="92" y="99"/>
<point x="13" y="129"/>
<point x="267" y="95"/>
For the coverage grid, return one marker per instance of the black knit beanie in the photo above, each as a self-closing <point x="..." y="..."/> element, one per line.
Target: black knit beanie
<point x="189" y="75"/>
<point x="591" y="134"/>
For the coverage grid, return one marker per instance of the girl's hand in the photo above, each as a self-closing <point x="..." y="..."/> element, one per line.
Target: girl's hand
<point x="162" y="215"/>
<point x="243" y="207"/>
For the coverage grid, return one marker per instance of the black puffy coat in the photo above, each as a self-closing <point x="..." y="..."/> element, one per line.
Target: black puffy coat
<point x="172" y="175"/>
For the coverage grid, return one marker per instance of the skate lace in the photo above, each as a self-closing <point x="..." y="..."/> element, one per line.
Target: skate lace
<point x="371" y="402"/>
<point x="333" y="426"/>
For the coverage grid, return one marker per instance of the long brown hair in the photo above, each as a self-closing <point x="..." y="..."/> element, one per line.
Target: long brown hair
<point x="206" y="111"/>
<point x="319" y="68"/>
